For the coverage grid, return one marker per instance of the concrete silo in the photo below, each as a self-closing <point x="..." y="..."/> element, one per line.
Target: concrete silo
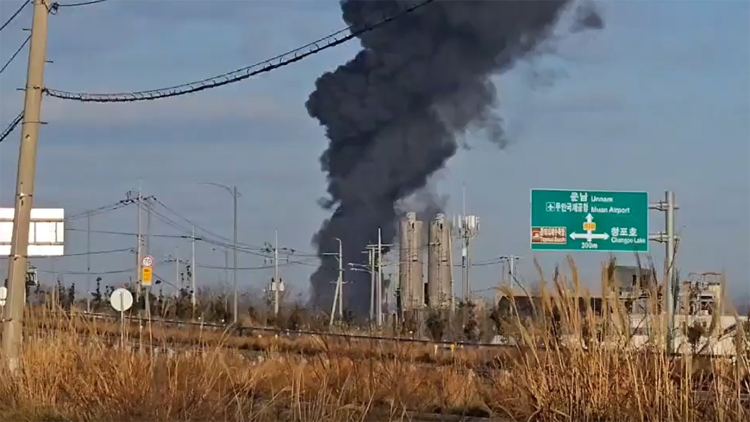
<point x="411" y="265"/>
<point x="439" y="274"/>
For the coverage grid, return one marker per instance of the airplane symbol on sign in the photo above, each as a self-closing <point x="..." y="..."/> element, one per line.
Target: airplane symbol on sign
<point x="550" y="206"/>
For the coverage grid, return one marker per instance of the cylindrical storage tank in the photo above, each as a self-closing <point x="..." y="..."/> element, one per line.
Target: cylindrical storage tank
<point x="410" y="262"/>
<point x="438" y="263"/>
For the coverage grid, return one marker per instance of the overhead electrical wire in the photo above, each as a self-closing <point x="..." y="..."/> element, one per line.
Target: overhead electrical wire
<point x="13" y="57"/>
<point x="168" y="221"/>
<point x="185" y="219"/>
<point x="119" y="233"/>
<point x="8" y="130"/>
<point x="329" y="41"/>
<point x="175" y="225"/>
<point x="82" y="3"/>
<point x="14" y="15"/>
<point x="223" y="242"/>
<point x="243" y="245"/>
<point x="259" y="267"/>
<point x="226" y="242"/>
<point x="86" y="272"/>
<point x="105" y="252"/>
<point x="100" y="210"/>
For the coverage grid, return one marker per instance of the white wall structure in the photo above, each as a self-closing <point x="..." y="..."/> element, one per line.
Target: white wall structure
<point x="46" y="234"/>
<point x="720" y="343"/>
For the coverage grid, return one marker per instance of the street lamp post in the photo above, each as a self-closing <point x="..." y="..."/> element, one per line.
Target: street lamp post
<point x="235" y="194"/>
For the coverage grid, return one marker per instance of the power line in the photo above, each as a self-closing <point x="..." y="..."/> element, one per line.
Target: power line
<point x="330" y="41"/>
<point x="105" y="252"/>
<point x="170" y="222"/>
<point x="186" y="220"/>
<point x="184" y="229"/>
<point x="118" y="233"/>
<point x="110" y="251"/>
<point x="222" y="241"/>
<point x="85" y="272"/>
<point x="100" y="210"/>
<point x="83" y="3"/>
<point x="259" y="267"/>
<point x="8" y="130"/>
<point x="246" y="246"/>
<point x="25" y="3"/>
<point x="10" y="60"/>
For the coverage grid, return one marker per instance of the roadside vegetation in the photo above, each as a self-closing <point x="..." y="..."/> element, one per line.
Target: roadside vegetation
<point x="558" y="369"/>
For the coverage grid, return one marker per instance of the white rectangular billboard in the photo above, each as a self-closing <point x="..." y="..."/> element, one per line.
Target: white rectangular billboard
<point x="46" y="233"/>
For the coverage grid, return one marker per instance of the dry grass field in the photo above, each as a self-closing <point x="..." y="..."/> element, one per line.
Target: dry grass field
<point x="70" y="375"/>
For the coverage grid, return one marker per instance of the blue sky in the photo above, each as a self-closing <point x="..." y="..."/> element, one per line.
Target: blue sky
<point x="657" y="100"/>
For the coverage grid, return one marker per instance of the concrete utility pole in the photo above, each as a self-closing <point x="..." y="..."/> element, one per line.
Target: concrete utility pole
<point x="379" y="283"/>
<point x="276" y="281"/>
<point x="371" y="266"/>
<point x="148" y="225"/>
<point x="338" y="295"/>
<point x="193" y="300"/>
<point x="235" y="300"/>
<point x="669" y="238"/>
<point x="511" y="274"/>
<point x="24" y="198"/>
<point x="226" y="272"/>
<point x="511" y="260"/>
<point x="138" y="246"/>
<point x="88" y="262"/>
<point x="340" y="281"/>
<point x="333" y="304"/>
<point x="235" y="195"/>
<point x="177" y="281"/>
<point x="375" y="268"/>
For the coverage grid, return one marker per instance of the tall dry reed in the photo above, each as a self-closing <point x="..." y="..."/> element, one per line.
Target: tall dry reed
<point x="560" y="371"/>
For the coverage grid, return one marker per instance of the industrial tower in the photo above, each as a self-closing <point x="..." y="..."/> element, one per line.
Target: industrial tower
<point x="411" y="263"/>
<point x="465" y="228"/>
<point x="439" y="264"/>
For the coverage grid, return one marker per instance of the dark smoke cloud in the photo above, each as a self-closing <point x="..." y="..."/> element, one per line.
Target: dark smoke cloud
<point x="392" y="113"/>
<point x="587" y="17"/>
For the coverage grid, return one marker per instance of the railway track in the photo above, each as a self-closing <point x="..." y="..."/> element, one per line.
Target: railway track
<point x="243" y="330"/>
<point x="485" y="369"/>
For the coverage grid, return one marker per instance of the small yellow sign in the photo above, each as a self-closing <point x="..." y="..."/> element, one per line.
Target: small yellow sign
<point x="589" y="226"/>
<point x="146" y="276"/>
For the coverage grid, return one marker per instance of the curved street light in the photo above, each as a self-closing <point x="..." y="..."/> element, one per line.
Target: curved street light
<point x="235" y="194"/>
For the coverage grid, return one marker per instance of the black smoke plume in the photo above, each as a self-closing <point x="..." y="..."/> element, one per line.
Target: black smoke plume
<point x="392" y="113"/>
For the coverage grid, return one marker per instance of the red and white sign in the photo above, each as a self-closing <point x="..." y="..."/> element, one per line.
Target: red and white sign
<point x="147" y="261"/>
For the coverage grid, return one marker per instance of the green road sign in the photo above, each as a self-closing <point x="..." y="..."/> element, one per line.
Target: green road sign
<point x="587" y="220"/>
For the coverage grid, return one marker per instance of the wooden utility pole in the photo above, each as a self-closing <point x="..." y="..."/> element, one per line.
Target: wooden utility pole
<point x="24" y="198"/>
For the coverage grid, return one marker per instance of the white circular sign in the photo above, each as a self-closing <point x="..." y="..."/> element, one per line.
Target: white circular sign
<point x="3" y="295"/>
<point x="147" y="261"/>
<point x="121" y="300"/>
